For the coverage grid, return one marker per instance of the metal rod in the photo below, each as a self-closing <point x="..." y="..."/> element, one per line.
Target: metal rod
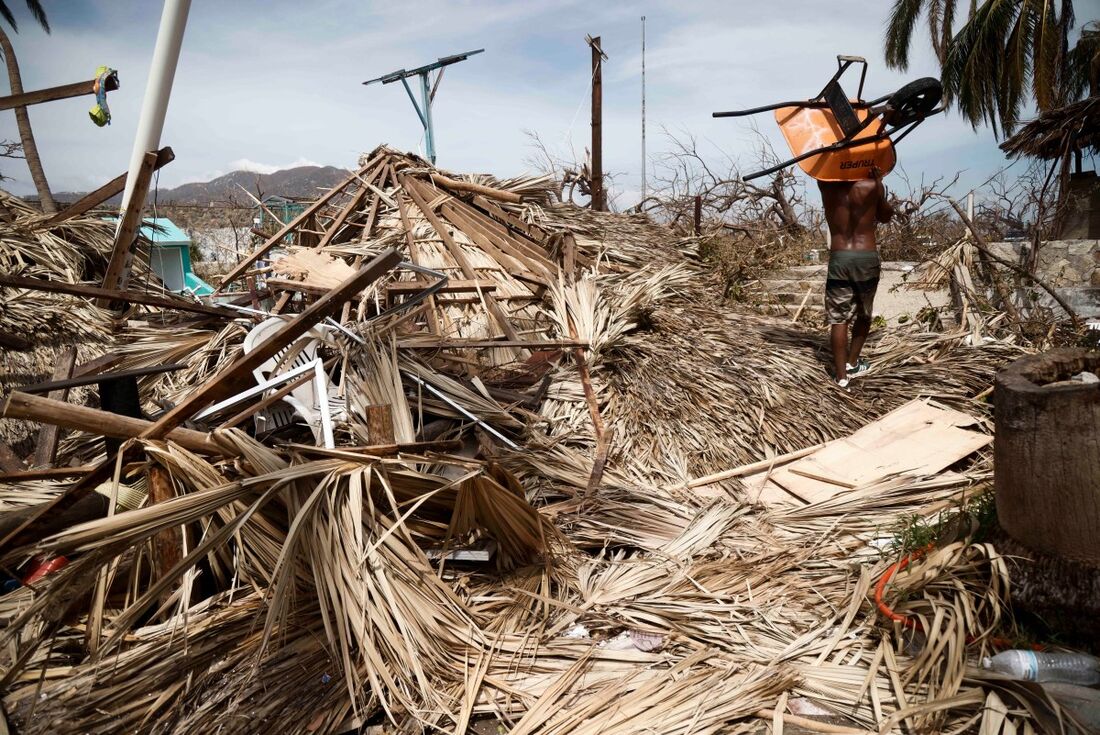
<point x="416" y="105"/>
<point x="260" y="388"/>
<point x="429" y="131"/>
<point x="446" y="399"/>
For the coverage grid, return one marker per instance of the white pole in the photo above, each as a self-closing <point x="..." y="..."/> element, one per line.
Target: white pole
<point x="162" y="71"/>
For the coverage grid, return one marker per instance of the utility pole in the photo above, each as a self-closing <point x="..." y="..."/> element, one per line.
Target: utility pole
<point x="599" y="195"/>
<point x="644" y="192"/>
<point x="428" y="88"/>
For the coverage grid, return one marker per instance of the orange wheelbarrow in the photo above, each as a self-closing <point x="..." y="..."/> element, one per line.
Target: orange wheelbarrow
<point x="834" y="138"/>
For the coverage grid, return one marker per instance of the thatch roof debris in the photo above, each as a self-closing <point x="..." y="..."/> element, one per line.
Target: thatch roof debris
<point x="1059" y="132"/>
<point x="269" y="583"/>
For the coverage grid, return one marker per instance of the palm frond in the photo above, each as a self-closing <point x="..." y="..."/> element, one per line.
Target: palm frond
<point x="39" y="14"/>
<point x="900" y="28"/>
<point x="6" y="14"/>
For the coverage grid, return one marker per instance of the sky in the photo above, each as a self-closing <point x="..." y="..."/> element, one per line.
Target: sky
<point x="263" y="86"/>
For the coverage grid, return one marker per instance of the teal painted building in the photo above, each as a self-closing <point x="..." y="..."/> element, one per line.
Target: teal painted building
<point x="170" y="256"/>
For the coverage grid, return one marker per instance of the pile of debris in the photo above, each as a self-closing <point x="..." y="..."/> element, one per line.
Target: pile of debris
<point x="443" y="449"/>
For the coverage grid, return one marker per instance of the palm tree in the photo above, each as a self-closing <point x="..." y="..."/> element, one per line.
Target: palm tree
<point x="22" y="120"/>
<point x="1007" y="52"/>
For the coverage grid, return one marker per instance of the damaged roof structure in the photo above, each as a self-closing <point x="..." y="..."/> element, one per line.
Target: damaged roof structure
<point x="441" y="448"/>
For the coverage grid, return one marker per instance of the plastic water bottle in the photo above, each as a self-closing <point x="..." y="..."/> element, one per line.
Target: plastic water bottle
<point x="1069" y="668"/>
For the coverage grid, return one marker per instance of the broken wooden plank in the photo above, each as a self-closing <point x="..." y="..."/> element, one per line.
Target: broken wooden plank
<point x="46" y="448"/>
<point x="118" y="269"/>
<point x="382" y="450"/>
<point x="410" y="185"/>
<point x="468" y="186"/>
<point x="109" y="294"/>
<point x="64" y="91"/>
<point x="115" y="186"/>
<point x="432" y="312"/>
<point x="380" y="424"/>
<point x="46" y="473"/>
<point x="452" y="286"/>
<point x="167" y="547"/>
<point x="30" y="407"/>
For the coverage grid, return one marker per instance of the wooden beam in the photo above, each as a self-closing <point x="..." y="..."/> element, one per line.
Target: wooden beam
<point x="46" y="473"/>
<point x="46" y="448"/>
<point x="353" y="203"/>
<point x="30" y="407"/>
<point x="115" y="186"/>
<point x="132" y="297"/>
<point x="118" y="269"/>
<point x="414" y="255"/>
<point x="468" y="186"/>
<point x="380" y="424"/>
<point x="229" y="380"/>
<point x="403" y="287"/>
<point x="167" y="545"/>
<point x="363" y="452"/>
<point x="599" y="196"/>
<point x="77" y="89"/>
<point x="290" y="226"/>
<point x="410" y="186"/>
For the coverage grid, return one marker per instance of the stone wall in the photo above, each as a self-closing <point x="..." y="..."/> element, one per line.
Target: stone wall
<point x="1062" y="263"/>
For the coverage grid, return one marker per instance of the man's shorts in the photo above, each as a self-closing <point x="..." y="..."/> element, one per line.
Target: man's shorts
<point x="851" y="285"/>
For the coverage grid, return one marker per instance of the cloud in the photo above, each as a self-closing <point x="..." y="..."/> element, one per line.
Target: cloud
<point x="255" y="90"/>
<point x="244" y="164"/>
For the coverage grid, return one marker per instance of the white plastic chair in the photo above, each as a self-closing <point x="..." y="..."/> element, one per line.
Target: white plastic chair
<point x="304" y="400"/>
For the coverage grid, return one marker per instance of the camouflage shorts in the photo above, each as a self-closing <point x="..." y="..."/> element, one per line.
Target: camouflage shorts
<point x="851" y="285"/>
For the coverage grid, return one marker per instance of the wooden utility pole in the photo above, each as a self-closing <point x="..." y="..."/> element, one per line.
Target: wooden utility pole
<point x="599" y="195"/>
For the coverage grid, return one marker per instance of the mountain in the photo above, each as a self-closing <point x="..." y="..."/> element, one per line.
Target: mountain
<point x="305" y="182"/>
<point x="300" y="182"/>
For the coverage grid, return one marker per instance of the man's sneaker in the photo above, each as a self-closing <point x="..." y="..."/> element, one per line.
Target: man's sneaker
<point x="843" y="383"/>
<point x="858" y="369"/>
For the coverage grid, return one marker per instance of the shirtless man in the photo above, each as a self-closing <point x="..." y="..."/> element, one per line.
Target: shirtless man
<point x="853" y="210"/>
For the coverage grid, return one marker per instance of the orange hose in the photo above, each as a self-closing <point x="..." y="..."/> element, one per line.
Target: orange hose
<point x="906" y="621"/>
<point x="880" y="588"/>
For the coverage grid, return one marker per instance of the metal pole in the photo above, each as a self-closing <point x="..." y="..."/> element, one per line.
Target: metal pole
<point x="162" y="72"/>
<point x="644" y="192"/>
<point x="429" y="133"/>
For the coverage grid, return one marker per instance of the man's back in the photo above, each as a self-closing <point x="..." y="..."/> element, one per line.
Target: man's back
<point x="852" y="210"/>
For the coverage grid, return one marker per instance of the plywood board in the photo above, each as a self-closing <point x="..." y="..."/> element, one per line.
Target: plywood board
<point x="919" y="438"/>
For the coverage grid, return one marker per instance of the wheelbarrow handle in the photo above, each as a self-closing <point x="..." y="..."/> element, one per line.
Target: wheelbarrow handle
<point x="838" y="146"/>
<point x="766" y="108"/>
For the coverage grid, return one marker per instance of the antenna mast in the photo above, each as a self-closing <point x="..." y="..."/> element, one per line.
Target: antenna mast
<point x="428" y="88"/>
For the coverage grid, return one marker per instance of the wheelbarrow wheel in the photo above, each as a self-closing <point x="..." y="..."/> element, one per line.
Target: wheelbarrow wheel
<point x="914" y="101"/>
